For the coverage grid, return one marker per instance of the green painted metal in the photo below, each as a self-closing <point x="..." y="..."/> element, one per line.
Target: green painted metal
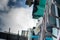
<point x="42" y="3"/>
<point x="40" y="9"/>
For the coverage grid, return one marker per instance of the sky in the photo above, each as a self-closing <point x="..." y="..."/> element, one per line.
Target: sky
<point x="15" y="15"/>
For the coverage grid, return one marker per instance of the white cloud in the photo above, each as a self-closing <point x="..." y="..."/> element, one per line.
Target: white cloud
<point x="18" y="19"/>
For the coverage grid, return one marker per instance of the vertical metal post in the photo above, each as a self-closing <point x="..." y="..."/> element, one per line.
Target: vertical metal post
<point x="8" y="36"/>
<point x="18" y="35"/>
<point x="42" y="32"/>
<point x="9" y="30"/>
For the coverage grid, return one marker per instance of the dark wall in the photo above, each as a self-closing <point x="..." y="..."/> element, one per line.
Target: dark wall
<point x="58" y="1"/>
<point x="12" y="36"/>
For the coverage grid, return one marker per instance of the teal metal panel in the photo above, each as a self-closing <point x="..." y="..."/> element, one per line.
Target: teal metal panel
<point x="48" y="38"/>
<point x="39" y="9"/>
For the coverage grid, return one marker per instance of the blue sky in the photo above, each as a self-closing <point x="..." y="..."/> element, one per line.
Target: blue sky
<point x="17" y="3"/>
<point x="19" y="17"/>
